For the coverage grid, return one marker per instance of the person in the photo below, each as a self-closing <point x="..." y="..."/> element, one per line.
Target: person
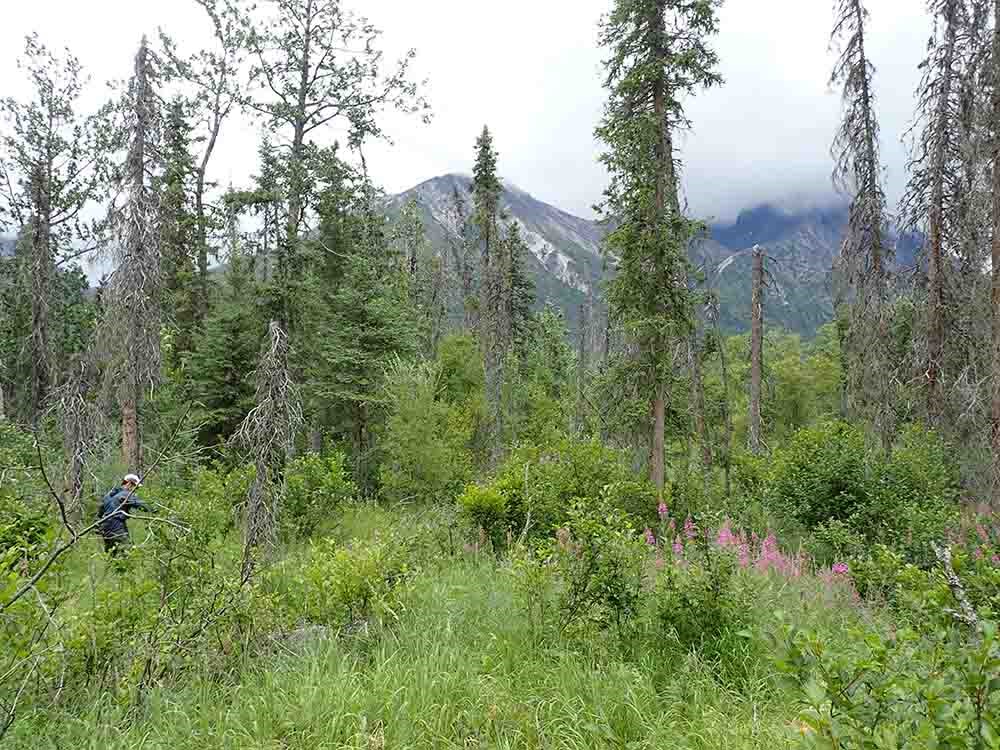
<point x="112" y="514"/>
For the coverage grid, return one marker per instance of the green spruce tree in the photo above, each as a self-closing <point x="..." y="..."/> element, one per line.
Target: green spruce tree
<point x="658" y="53"/>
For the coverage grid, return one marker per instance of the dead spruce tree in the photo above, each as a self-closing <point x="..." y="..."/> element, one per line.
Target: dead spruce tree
<point x="132" y="302"/>
<point x="934" y="187"/>
<point x="658" y="53"/>
<point x="865" y="254"/>
<point x="52" y="167"/>
<point x="756" y="439"/>
<point x="267" y="434"/>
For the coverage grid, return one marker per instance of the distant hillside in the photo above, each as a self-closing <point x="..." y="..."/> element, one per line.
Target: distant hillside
<point x="565" y="258"/>
<point x="566" y="253"/>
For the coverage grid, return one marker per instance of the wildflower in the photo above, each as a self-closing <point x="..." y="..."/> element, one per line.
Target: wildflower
<point x="662" y="511"/>
<point x="672" y="525"/>
<point x="996" y="559"/>
<point x="650" y="538"/>
<point x="678" y="546"/>
<point x="744" y="555"/>
<point x="984" y="535"/>
<point x="659" y="562"/>
<point x="689" y="528"/>
<point x="725" y="536"/>
<point x="979" y="553"/>
<point x="840" y="569"/>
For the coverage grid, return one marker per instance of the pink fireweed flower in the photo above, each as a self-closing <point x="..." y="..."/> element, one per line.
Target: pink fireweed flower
<point x="744" y="555"/>
<point x="984" y="535"/>
<point x="662" y="511"/>
<point x="996" y="559"/>
<point x="725" y="537"/>
<point x="979" y="553"/>
<point x="650" y="537"/>
<point x="678" y="546"/>
<point x="840" y="569"/>
<point x="689" y="528"/>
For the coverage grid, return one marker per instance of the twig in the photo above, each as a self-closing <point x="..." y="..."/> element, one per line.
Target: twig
<point x="55" y="495"/>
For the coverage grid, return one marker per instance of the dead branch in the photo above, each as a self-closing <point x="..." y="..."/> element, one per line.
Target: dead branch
<point x="967" y="615"/>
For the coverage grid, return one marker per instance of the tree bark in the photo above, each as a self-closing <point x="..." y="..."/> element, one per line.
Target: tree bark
<point x="756" y="348"/>
<point x="131" y="445"/>
<point x="657" y="467"/>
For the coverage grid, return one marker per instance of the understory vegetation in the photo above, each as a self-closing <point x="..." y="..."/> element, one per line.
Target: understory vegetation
<point x="387" y="499"/>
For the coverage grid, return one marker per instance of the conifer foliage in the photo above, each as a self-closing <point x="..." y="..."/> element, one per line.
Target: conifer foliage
<point x="658" y="53"/>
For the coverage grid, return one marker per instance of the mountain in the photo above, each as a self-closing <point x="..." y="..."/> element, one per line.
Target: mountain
<point x="566" y="253"/>
<point x="565" y="250"/>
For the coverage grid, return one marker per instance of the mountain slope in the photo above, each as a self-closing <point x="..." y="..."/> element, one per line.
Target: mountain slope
<point x="565" y="250"/>
<point x="566" y="253"/>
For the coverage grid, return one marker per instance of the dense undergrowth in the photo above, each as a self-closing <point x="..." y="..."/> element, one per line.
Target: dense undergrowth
<point x="553" y="606"/>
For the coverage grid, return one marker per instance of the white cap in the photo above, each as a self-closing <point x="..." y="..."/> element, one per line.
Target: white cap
<point x="133" y="478"/>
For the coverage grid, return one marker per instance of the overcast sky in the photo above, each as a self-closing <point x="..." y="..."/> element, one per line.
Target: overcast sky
<point x="531" y="70"/>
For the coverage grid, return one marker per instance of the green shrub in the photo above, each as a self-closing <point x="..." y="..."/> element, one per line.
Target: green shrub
<point x="821" y="474"/>
<point x="537" y="487"/>
<point x="592" y="572"/>
<point x="426" y="440"/>
<point x="315" y="487"/>
<point x="864" y="689"/>
<point x="336" y="586"/>
<point x="705" y="605"/>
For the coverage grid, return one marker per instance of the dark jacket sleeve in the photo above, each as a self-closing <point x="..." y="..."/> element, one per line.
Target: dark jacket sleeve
<point x="136" y="503"/>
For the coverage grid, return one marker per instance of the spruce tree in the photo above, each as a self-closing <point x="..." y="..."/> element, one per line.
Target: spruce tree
<point x="493" y="294"/>
<point x="220" y="369"/>
<point x="179" y="229"/>
<point x="658" y="53"/>
<point x="866" y="252"/>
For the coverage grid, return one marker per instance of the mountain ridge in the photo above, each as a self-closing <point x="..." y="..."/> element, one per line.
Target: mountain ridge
<point x="565" y="252"/>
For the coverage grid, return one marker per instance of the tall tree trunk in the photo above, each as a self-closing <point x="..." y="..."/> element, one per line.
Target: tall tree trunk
<point x="583" y="358"/>
<point x="657" y="468"/>
<point x="131" y="445"/>
<point x="935" y="263"/>
<point x="727" y="417"/>
<point x="756" y="348"/>
<point x="995" y="291"/>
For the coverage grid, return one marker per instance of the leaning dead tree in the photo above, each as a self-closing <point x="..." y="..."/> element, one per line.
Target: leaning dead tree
<point x="756" y="443"/>
<point x="267" y="434"/>
<point x="865" y="254"/>
<point x="132" y="317"/>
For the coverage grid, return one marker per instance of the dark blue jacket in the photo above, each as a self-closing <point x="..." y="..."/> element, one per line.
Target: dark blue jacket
<point x="113" y="524"/>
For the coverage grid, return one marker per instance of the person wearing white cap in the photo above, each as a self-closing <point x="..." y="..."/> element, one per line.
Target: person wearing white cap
<point x="113" y="513"/>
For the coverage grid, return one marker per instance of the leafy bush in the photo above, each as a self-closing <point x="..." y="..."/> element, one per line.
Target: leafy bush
<point x="315" y="487"/>
<point x="592" y="571"/>
<point x="826" y="480"/>
<point x="704" y="604"/>
<point x="537" y="487"/>
<point x="821" y="474"/>
<point x="337" y="586"/>
<point x="426" y="440"/>
<point x="910" y="689"/>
